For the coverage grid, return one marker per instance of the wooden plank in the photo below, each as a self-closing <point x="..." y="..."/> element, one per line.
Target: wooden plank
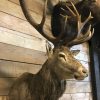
<point x="14" y="53"/>
<point x="22" y="40"/>
<point x="37" y="5"/>
<point x="81" y="96"/>
<point x="65" y="97"/>
<point x="10" y="9"/>
<point x="34" y="5"/>
<point x="3" y="97"/>
<point x="15" y="69"/>
<point x="77" y="87"/>
<point x="8" y="20"/>
<point x="76" y="96"/>
<point x="17" y="24"/>
<point x="84" y="47"/>
<point x="84" y="52"/>
<point x="83" y="56"/>
<point x="5" y="84"/>
<point x="72" y="87"/>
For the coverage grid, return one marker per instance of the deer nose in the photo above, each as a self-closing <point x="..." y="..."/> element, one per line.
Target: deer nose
<point x="85" y="72"/>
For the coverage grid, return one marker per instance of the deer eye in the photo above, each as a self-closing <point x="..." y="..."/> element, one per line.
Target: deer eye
<point x="62" y="55"/>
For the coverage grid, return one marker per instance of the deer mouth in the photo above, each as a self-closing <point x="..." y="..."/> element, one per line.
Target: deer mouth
<point x="81" y="74"/>
<point x="77" y="77"/>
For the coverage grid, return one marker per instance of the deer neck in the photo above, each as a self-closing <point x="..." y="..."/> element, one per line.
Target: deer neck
<point x="48" y="73"/>
<point x="50" y="79"/>
<point x="45" y="72"/>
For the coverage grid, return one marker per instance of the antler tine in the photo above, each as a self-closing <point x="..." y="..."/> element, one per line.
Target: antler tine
<point x="73" y="13"/>
<point x="77" y="14"/>
<point x="44" y="15"/>
<point x="70" y="10"/>
<point x="84" y="23"/>
<point x="39" y="27"/>
<point x="82" y="40"/>
<point x="79" y="37"/>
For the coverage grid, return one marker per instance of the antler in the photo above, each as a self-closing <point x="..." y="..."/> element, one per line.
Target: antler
<point x="79" y="37"/>
<point x="39" y="27"/>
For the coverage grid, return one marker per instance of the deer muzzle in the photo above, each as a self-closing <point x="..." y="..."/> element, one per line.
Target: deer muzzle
<point x="81" y="74"/>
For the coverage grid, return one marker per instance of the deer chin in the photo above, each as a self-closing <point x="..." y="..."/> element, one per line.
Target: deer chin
<point x="77" y="77"/>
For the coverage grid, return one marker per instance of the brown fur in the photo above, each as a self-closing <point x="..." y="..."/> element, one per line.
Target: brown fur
<point x="49" y="83"/>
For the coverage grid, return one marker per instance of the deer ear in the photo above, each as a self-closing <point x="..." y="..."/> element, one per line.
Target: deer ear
<point x="49" y="49"/>
<point x="75" y="52"/>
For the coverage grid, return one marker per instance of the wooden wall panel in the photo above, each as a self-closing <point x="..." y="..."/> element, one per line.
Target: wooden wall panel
<point x="21" y="40"/>
<point x="76" y="96"/>
<point x="10" y="9"/>
<point x="36" y="5"/>
<point x="17" y="24"/>
<point x="5" y="84"/>
<point x="3" y="98"/>
<point x="15" y="69"/>
<point x="10" y="16"/>
<point x="14" y="53"/>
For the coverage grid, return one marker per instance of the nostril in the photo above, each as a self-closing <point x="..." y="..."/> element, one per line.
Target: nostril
<point x="85" y="72"/>
<point x="87" y="75"/>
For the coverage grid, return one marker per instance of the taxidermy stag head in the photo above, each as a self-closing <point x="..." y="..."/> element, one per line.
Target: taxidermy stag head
<point x="60" y="65"/>
<point x="68" y="16"/>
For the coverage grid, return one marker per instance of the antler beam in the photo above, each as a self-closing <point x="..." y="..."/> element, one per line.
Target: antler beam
<point x="39" y="27"/>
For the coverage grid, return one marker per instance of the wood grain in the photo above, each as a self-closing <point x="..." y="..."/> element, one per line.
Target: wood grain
<point x="15" y="69"/>
<point x="36" y="5"/>
<point x="14" y="19"/>
<point x="17" y="24"/>
<point x="76" y="96"/>
<point x="3" y="97"/>
<point x="21" y="40"/>
<point x="14" y="53"/>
